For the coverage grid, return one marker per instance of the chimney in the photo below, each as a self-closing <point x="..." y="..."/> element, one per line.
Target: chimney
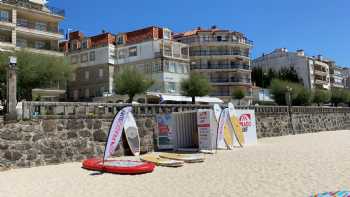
<point x="199" y="28"/>
<point x="213" y="27"/>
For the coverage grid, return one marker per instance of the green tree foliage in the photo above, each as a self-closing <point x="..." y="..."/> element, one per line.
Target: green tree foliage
<point x="299" y="94"/>
<point x="321" y="96"/>
<point x="238" y="94"/>
<point x="339" y="95"/>
<point x="36" y="71"/>
<point x="195" y="85"/>
<point x="264" y="78"/>
<point x="131" y="82"/>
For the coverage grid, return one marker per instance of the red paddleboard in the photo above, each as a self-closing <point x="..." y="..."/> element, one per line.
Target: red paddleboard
<point x="118" y="166"/>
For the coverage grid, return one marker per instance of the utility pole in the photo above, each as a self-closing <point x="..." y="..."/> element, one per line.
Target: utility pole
<point x="12" y="89"/>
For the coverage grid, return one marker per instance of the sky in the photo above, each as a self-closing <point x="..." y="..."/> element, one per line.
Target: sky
<point x="317" y="26"/>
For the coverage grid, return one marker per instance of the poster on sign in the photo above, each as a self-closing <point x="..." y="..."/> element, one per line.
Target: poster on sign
<point x="207" y="130"/>
<point x="164" y="122"/>
<point x="248" y="123"/>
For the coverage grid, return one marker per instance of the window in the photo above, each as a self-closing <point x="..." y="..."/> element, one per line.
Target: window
<point x="22" y="22"/>
<point x="74" y="77"/>
<point x="21" y="42"/>
<point x="219" y="38"/>
<point x="87" y="93"/>
<point x="100" y="73"/>
<point x="4" y="16"/>
<point x="87" y="75"/>
<point x="156" y="68"/>
<point x="40" y="44"/>
<point x="41" y="26"/>
<point x="172" y="67"/>
<point x="171" y="87"/>
<point x="74" y="59"/>
<point x="92" y="56"/>
<point x="84" y="57"/>
<point x="120" y="39"/>
<point x="122" y="53"/>
<point x="76" y="94"/>
<point x="84" y="44"/>
<point x="180" y="68"/>
<point x="132" y="51"/>
<point x="102" y="90"/>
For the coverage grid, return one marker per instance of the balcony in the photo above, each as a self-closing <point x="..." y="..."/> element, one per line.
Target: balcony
<point x="232" y="80"/>
<point x="170" y="55"/>
<point x="33" y="6"/>
<point x="221" y="66"/>
<point x="219" y="53"/>
<point x="219" y="42"/>
<point x="37" y="27"/>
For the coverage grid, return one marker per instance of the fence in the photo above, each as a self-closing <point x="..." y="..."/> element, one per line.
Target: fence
<point x="32" y="110"/>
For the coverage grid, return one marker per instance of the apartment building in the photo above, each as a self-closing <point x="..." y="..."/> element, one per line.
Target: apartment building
<point x="223" y="56"/>
<point x="346" y="75"/>
<point x="94" y="60"/>
<point x="313" y="71"/>
<point x="337" y="76"/>
<point x="153" y="51"/>
<point x="30" y="25"/>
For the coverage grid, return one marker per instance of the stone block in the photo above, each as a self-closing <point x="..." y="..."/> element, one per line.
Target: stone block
<point x="49" y="125"/>
<point x="100" y="136"/>
<point x="12" y="155"/>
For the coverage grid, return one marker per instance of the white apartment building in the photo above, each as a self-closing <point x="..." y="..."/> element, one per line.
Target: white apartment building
<point x="30" y="25"/>
<point x="153" y="51"/>
<point x="313" y="71"/>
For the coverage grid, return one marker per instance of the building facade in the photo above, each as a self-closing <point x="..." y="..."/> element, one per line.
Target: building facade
<point x="30" y="25"/>
<point x="153" y="51"/>
<point x="94" y="61"/>
<point x="337" y="76"/>
<point x="223" y="56"/>
<point x="313" y="71"/>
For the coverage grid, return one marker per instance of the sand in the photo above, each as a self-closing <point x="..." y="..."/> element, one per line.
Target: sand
<point x="282" y="166"/>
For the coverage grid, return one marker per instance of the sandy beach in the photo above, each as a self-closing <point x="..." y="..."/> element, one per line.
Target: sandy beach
<point x="282" y="166"/>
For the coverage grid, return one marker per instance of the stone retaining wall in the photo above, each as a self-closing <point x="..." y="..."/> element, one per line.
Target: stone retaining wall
<point x="57" y="139"/>
<point x="53" y="141"/>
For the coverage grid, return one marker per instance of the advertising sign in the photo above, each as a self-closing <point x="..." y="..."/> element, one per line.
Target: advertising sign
<point x="164" y="122"/>
<point x="248" y="123"/>
<point x="204" y="130"/>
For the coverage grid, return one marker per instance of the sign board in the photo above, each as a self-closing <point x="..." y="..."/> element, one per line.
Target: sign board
<point x="248" y="123"/>
<point x="165" y="134"/>
<point x="207" y="130"/>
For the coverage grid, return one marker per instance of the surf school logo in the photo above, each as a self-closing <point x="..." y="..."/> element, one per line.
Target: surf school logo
<point x="245" y="120"/>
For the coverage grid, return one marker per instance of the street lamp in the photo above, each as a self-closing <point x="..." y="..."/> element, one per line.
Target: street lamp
<point x="288" y="96"/>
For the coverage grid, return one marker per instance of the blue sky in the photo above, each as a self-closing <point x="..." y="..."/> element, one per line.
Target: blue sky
<point x="317" y="26"/>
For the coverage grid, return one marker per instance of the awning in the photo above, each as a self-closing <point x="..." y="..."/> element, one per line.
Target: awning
<point x="179" y="98"/>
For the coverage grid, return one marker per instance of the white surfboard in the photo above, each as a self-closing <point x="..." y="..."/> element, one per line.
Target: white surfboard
<point x="235" y="125"/>
<point x="132" y="134"/>
<point x="217" y="112"/>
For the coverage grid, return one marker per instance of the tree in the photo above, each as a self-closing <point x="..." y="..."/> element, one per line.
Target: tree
<point x="195" y="85"/>
<point x="238" y="94"/>
<point x="36" y="71"/>
<point x="289" y="74"/>
<point x="299" y="94"/>
<point x="263" y="78"/>
<point x="131" y="82"/>
<point x="321" y="96"/>
<point x="339" y="95"/>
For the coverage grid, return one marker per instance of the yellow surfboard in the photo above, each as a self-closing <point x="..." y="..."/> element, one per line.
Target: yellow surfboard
<point x="237" y="129"/>
<point x="188" y="158"/>
<point x="154" y="158"/>
<point x="228" y="137"/>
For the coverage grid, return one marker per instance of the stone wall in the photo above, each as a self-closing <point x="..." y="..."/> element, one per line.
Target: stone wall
<point x="53" y="141"/>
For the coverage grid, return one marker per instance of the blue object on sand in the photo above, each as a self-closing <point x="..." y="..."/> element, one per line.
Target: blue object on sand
<point x="333" y="194"/>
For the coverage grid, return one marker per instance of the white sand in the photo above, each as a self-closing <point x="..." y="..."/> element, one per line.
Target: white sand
<point x="284" y="166"/>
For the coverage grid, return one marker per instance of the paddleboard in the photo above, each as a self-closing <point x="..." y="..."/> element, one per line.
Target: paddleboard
<point x="132" y="134"/>
<point x="188" y="158"/>
<point x="154" y="158"/>
<point x="228" y="133"/>
<point x="333" y="194"/>
<point x="118" y="166"/>
<point x="236" y="126"/>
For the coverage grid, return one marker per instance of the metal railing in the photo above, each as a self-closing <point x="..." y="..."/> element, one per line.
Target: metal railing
<point x="33" y="25"/>
<point x="221" y="66"/>
<point x="5" y="19"/>
<point x="29" y="5"/>
<point x="213" y="53"/>
<point x="228" y="80"/>
<point x="209" y="40"/>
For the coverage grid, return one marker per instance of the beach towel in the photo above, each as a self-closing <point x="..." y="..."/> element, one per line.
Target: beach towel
<point x="333" y="194"/>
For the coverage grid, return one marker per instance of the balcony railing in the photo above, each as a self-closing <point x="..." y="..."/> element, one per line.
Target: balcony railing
<point x="221" y="66"/>
<point x="6" y="39"/>
<point x="212" y="53"/>
<point x="33" y="25"/>
<point x="5" y="19"/>
<point x="241" y="41"/>
<point x="230" y="80"/>
<point x="29" y="5"/>
<point x="168" y="54"/>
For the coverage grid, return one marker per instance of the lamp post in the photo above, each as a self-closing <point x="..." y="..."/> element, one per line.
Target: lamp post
<point x="288" y="96"/>
<point x="12" y="88"/>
